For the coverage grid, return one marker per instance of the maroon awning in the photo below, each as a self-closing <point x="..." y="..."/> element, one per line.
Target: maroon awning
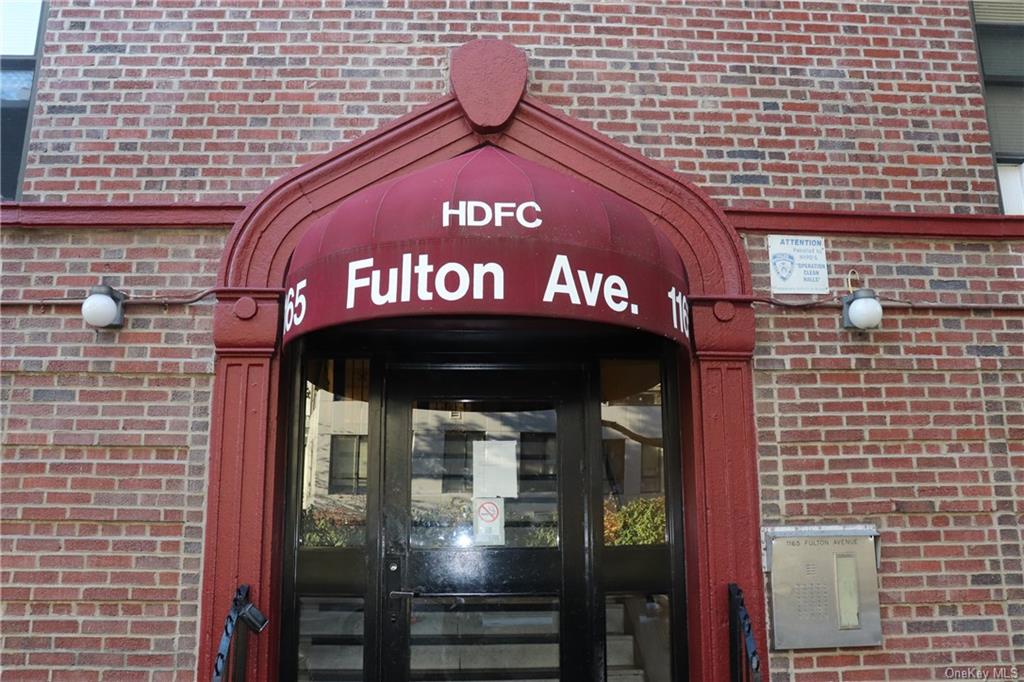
<point x="486" y="233"/>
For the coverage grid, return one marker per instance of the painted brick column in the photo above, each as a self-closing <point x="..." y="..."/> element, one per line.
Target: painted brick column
<point x="721" y="472"/>
<point x="243" y="529"/>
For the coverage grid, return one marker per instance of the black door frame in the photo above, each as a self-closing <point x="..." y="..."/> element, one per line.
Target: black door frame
<point x="566" y="571"/>
<point x="410" y="354"/>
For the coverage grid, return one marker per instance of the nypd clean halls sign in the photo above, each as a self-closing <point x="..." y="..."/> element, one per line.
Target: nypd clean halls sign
<point x="798" y="264"/>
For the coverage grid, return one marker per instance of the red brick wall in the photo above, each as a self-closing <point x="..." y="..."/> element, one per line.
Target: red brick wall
<point x="776" y="103"/>
<point x="104" y="458"/>
<point x="917" y="427"/>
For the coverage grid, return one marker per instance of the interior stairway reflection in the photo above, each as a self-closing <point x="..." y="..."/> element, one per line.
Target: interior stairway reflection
<point x="508" y="639"/>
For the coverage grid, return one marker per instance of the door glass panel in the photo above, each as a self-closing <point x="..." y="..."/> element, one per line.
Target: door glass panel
<point x="636" y="561"/>
<point x="483" y="478"/>
<point x="484" y="473"/>
<point x="334" y="456"/>
<point x="330" y="638"/>
<point x="634" y="479"/>
<point x="484" y="638"/>
<point x="332" y="480"/>
<point x="638" y="644"/>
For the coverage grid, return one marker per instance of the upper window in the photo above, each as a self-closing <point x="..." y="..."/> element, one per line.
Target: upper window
<point x="19" y="38"/>
<point x="347" y="471"/>
<point x="1000" y="30"/>
<point x="458" y="460"/>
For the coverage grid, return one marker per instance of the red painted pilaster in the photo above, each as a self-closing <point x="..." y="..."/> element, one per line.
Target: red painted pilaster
<point x="243" y="532"/>
<point x="721" y="478"/>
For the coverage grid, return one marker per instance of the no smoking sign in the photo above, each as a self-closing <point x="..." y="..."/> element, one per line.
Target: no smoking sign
<point x="488" y="521"/>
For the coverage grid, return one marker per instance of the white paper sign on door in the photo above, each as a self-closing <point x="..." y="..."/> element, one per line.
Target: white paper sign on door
<point x="488" y="521"/>
<point x="495" y="472"/>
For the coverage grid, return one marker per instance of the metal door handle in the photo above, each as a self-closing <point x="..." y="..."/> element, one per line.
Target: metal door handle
<point x="401" y="594"/>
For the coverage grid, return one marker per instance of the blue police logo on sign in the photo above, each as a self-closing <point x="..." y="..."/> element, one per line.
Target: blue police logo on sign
<point x="783" y="265"/>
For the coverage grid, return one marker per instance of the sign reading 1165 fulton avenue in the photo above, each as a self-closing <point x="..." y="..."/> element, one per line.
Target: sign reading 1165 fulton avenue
<point x="486" y="259"/>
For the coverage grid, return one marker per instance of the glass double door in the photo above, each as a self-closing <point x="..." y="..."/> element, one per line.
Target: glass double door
<point x="483" y="523"/>
<point x="485" y="535"/>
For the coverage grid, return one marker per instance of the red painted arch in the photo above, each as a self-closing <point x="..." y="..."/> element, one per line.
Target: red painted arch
<point x="244" y="510"/>
<point x="263" y="237"/>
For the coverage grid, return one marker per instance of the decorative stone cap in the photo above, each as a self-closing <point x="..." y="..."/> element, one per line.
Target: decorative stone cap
<point x="488" y="80"/>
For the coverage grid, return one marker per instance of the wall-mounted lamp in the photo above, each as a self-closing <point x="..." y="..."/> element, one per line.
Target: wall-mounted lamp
<point x="861" y="310"/>
<point x="104" y="307"/>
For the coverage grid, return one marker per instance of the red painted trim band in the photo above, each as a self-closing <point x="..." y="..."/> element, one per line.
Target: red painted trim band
<point x="184" y="299"/>
<point x="781" y="220"/>
<point x="119" y="216"/>
<point x="876" y="223"/>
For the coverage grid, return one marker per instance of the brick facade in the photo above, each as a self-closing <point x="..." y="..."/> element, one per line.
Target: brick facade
<point x="787" y="104"/>
<point x="917" y="427"/>
<point x="105" y="449"/>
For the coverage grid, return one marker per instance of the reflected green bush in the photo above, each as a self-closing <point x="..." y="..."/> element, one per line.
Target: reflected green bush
<point x="331" y="527"/>
<point x="638" y="522"/>
<point x="444" y="524"/>
<point x="541" y="535"/>
<point x="457" y="511"/>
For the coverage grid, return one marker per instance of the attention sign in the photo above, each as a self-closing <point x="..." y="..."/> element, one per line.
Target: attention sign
<point x="798" y="264"/>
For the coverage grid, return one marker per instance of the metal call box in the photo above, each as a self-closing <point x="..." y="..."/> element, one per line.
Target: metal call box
<point x="824" y="586"/>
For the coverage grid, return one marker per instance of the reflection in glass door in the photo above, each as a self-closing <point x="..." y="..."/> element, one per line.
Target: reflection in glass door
<point x="474" y="534"/>
<point x="329" y="517"/>
<point x="469" y="451"/>
<point x="637" y="582"/>
<point x="488" y="523"/>
<point x="498" y="500"/>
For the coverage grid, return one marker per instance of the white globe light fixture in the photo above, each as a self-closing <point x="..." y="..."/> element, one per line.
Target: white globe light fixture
<point x="104" y="308"/>
<point x="862" y="310"/>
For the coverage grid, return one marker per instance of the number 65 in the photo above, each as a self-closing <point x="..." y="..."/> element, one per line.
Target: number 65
<point x="294" y="306"/>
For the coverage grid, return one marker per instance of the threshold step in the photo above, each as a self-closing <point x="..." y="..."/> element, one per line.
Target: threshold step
<point x="626" y="675"/>
<point x="516" y="657"/>
<point x="334" y="622"/>
<point x="468" y="652"/>
<point x="620" y="650"/>
<point x="546" y="675"/>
